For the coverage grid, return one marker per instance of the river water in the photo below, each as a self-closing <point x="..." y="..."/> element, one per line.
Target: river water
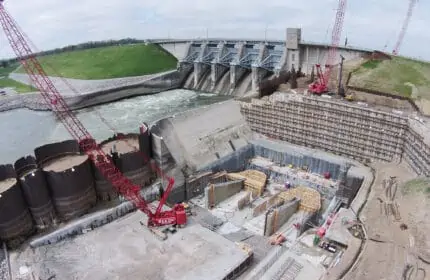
<point x="23" y="130"/>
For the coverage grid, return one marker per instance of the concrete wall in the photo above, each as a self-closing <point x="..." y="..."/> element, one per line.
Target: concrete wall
<point x="263" y="205"/>
<point x="279" y="216"/>
<point x="234" y="162"/>
<point x="217" y="193"/>
<point x="345" y="129"/>
<point x="199" y="137"/>
<point x="318" y="54"/>
<point x="340" y="128"/>
<point x="417" y="149"/>
<point x="196" y="184"/>
<point x="316" y="162"/>
<point x="261" y="56"/>
<point x="179" y="50"/>
<point x="348" y="190"/>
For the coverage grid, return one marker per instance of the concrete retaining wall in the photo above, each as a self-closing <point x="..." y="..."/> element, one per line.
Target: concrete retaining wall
<point x="196" y="184"/>
<point x="244" y="201"/>
<point x="217" y="193"/>
<point x="163" y="82"/>
<point x="343" y="129"/>
<point x="315" y="162"/>
<point x="264" y="205"/>
<point x="234" y="162"/>
<point x="278" y="217"/>
<point x="417" y="151"/>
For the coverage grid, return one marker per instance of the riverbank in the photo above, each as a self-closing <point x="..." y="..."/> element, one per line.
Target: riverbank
<point x="97" y="92"/>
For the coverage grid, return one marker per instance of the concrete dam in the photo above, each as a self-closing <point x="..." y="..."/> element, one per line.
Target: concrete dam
<point x="234" y="67"/>
<point x="267" y="182"/>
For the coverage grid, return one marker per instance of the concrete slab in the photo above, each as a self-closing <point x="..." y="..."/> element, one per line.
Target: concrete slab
<point x="338" y="231"/>
<point x="227" y="210"/>
<point x="124" y="249"/>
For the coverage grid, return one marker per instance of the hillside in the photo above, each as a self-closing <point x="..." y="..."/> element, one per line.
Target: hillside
<point x="402" y="76"/>
<point x="5" y="82"/>
<point x="108" y="62"/>
<point x="17" y="86"/>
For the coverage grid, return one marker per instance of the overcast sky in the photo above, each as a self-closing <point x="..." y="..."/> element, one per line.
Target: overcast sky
<point x="368" y="23"/>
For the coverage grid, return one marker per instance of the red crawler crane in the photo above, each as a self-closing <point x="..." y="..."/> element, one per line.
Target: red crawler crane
<point x="320" y="86"/>
<point x="404" y="26"/>
<point x="103" y="162"/>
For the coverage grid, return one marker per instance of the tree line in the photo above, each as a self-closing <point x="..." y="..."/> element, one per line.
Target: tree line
<point x="83" y="46"/>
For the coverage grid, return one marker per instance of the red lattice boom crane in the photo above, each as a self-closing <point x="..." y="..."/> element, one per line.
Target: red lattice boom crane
<point x="404" y="26"/>
<point x="321" y="85"/>
<point x="103" y="162"/>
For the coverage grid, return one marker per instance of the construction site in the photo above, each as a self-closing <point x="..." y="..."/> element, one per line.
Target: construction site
<point x="304" y="183"/>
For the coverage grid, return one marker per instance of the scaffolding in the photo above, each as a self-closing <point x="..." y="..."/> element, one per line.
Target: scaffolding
<point x="347" y="130"/>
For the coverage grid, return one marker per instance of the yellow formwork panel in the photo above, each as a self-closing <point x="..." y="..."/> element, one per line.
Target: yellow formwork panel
<point x="310" y="199"/>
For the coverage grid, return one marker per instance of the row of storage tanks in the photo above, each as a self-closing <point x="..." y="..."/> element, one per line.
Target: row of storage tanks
<point x="61" y="183"/>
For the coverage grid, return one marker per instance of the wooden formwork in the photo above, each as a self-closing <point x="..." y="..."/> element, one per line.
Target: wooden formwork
<point x="310" y="199"/>
<point x="255" y="181"/>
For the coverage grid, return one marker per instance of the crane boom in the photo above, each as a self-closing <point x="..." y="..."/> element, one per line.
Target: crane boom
<point x="76" y="129"/>
<point x="404" y="26"/>
<point x="320" y="86"/>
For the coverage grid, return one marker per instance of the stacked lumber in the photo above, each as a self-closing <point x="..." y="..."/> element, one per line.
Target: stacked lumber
<point x="310" y="199"/>
<point x="255" y="181"/>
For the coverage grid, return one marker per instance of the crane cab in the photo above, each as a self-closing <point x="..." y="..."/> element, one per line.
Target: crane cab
<point x="181" y="216"/>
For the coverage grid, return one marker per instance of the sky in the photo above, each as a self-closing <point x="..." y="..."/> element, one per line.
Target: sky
<point x="372" y="24"/>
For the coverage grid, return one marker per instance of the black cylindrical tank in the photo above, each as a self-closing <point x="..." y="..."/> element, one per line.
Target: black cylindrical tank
<point x="36" y="192"/>
<point x="145" y="141"/>
<point x="16" y="223"/>
<point x="69" y="177"/>
<point x="126" y="154"/>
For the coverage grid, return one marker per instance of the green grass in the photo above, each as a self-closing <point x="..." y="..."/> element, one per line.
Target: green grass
<point x="371" y="64"/>
<point x="420" y="185"/>
<point x="6" y="71"/>
<point x="109" y="62"/>
<point x="391" y="75"/>
<point x="17" y="86"/>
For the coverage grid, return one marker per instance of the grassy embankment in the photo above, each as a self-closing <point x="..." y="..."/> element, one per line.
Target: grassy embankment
<point x="402" y="76"/>
<point x="5" y="82"/>
<point x="109" y="62"/>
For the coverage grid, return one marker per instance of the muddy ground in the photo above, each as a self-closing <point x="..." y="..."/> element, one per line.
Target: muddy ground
<point x="396" y="241"/>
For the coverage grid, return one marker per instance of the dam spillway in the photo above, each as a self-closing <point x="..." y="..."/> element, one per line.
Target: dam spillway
<point x="210" y="60"/>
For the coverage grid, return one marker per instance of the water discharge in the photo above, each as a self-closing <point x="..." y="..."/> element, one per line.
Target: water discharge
<point x="23" y="130"/>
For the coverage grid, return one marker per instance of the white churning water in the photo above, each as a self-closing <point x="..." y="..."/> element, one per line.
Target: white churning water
<point x="23" y="130"/>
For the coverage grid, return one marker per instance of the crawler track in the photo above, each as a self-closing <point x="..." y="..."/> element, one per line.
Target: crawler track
<point x="5" y="273"/>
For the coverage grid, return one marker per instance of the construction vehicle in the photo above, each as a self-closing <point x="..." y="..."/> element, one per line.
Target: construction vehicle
<point x="21" y="46"/>
<point x="328" y="247"/>
<point x="349" y="97"/>
<point x="321" y="85"/>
